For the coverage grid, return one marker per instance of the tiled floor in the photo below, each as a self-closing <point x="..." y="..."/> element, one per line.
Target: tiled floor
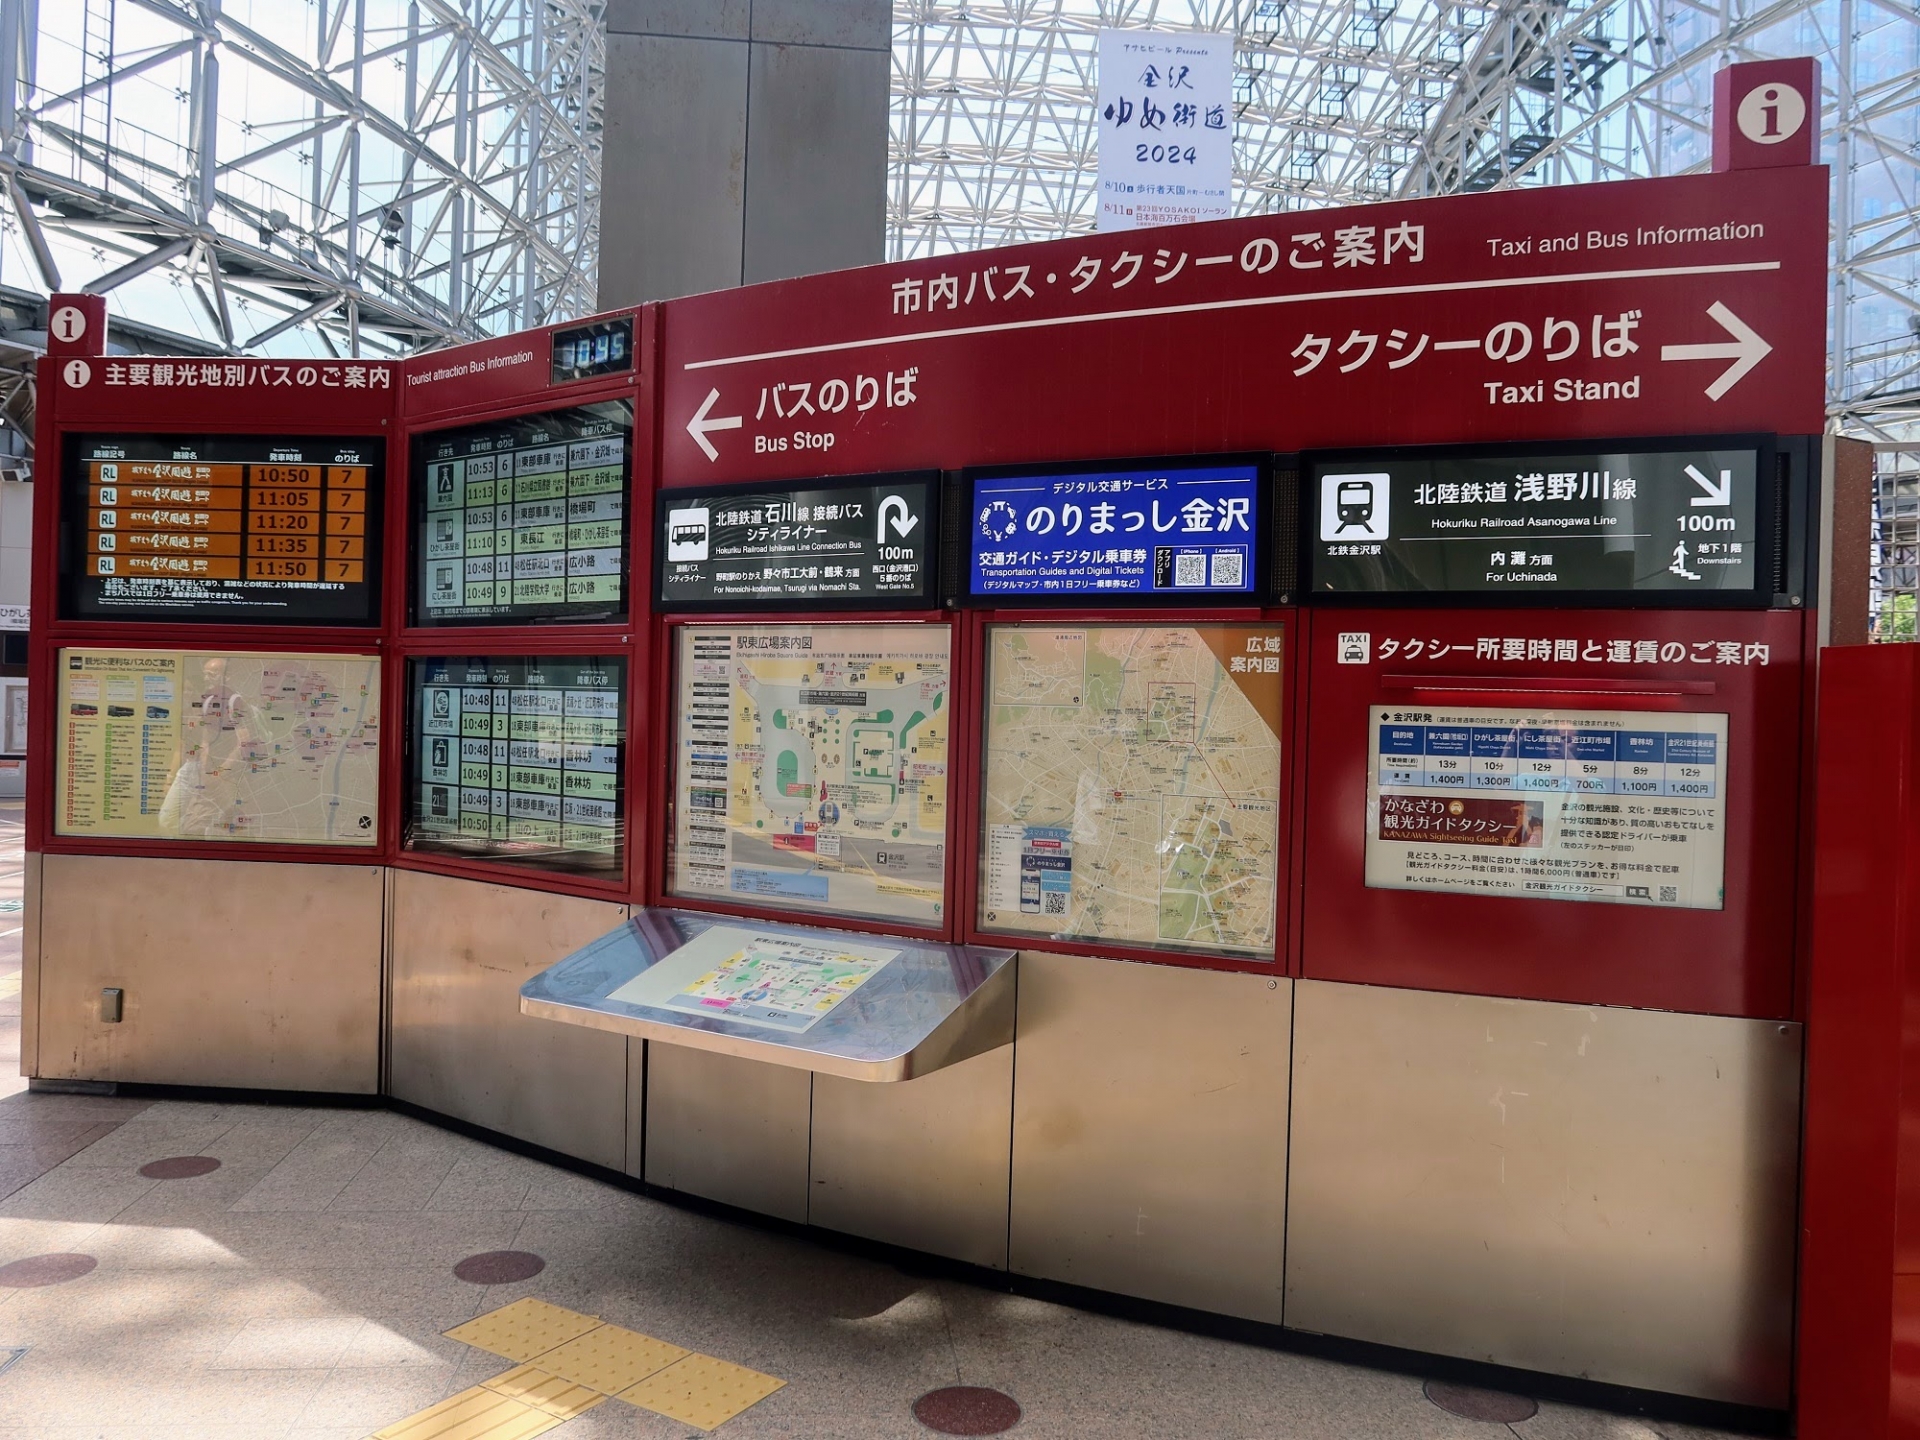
<point x="303" y="1289"/>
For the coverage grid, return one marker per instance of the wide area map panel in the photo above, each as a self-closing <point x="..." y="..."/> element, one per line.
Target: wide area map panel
<point x="195" y="745"/>
<point x="811" y="767"/>
<point x="1133" y="784"/>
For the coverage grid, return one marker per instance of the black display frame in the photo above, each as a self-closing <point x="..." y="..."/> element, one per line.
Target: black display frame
<point x="670" y="498"/>
<point x="73" y="507"/>
<point x="419" y="461"/>
<point x="609" y="871"/>
<point x="1783" y="490"/>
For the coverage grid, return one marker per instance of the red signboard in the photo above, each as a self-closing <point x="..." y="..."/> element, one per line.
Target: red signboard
<point x="1647" y="307"/>
<point x="1599" y="807"/>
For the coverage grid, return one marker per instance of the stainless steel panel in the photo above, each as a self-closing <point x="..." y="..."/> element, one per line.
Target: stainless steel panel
<point x="636" y="1165"/>
<point x="238" y="973"/>
<point x="923" y="1164"/>
<point x="459" y="1045"/>
<point x="729" y="1129"/>
<point x="930" y="1006"/>
<point x="1150" y="1132"/>
<point x="30" y="965"/>
<point x="1592" y="1192"/>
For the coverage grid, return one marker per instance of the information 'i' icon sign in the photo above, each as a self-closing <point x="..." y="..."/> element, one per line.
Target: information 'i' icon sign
<point x="1771" y="112"/>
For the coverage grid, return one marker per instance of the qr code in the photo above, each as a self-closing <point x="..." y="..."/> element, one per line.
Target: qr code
<point x="1669" y="893"/>
<point x="1229" y="569"/>
<point x="1189" y="570"/>
<point x="1054" y="902"/>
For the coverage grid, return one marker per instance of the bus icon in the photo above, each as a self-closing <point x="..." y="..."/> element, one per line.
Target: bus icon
<point x="687" y="534"/>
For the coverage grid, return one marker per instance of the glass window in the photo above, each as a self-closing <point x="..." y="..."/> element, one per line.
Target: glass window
<point x="520" y="758"/>
<point x="212" y="745"/>
<point x="523" y="520"/>
<point x="1132" y="785"/>
<point x="810" y="768"/>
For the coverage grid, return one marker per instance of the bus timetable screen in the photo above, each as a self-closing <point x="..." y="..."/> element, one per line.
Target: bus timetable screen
<point x="210" y="529"/>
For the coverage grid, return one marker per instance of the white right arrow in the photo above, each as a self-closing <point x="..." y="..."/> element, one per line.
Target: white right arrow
<point x="1746" y="350"/>
<point x="699" y="425"/>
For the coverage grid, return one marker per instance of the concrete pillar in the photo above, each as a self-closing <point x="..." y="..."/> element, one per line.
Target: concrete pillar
<point x="746" y="140"/>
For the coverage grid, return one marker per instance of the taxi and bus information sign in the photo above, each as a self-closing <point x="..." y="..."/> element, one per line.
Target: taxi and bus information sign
<point x="523" y="519"/>
<point x="1682" y="524"/>
<point x="232" y="528"/>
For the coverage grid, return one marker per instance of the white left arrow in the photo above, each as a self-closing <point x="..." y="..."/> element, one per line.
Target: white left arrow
<point x="1746" y="350"/>
<point x="699" y="425"/>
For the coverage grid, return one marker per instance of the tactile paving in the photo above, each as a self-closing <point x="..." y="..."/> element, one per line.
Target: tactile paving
<point x="524" y="1329"/>
<point x="702" y="1391"/>
<point x="476" y="1414"/>
<point x="542" y="1388"/>
<point x="610" y="1358"/>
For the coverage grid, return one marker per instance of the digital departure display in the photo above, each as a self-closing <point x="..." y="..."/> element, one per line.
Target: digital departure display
<point x="218" y="529"/>
<point x="519" y="758"/>
<point x="523" y="519"/>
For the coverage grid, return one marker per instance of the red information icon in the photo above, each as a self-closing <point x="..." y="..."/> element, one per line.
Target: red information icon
<point x="1766" y="114"/>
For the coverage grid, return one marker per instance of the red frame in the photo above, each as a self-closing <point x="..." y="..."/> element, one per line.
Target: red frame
<point x="961" y="696"/>
<point x="1739" y="960"/>
<point x="1286" y="901"/>
<point x="629" y="638"/>
<point x="157" y="413"/>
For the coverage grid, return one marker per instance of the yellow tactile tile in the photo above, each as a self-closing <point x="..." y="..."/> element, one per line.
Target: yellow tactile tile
<point x="610" y="1359"/>
<point x="524" y="1329"/>
<point x="476" y="1414"/>
<point x="545" y="1390"/>
<point x="702" y="1391"/>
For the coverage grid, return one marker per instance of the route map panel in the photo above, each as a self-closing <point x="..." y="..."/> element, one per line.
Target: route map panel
<point x="219" y="529"/>
<point x="1132" y="784"/>
<point x="520" y="758"/>
<point x="523" y="519"/>
<point x="1620" y="806"/>
<point x="811" y="768"/>
<point x="195" y="745"/>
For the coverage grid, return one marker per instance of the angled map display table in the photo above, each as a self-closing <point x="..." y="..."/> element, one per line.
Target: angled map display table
<point x="863" y="1007"/>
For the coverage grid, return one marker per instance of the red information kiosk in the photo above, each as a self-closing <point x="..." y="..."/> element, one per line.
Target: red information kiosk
<point x="1255" y="768"/>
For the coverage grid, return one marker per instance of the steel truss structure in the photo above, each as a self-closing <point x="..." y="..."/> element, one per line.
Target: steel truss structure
<point x="1342" y="101"/>
<point x="348" y="177"/>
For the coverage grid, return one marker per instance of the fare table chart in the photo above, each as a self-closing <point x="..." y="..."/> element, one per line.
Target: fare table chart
<point x="1513" y="760"/>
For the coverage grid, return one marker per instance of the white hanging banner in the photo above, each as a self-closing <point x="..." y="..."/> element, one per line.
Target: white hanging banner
<point x="1166" y="128"/>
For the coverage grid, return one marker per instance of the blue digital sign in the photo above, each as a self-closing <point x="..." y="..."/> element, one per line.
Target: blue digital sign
<point x="1189" y="531"/>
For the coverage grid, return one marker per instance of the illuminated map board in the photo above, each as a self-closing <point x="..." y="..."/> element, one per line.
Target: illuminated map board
<point x="273" y="529"/>
<point x="523" y="519"/>
<point x="1132" y="786"/>
<point x="811" y="768"/>
<point x="520" y="758"/>
<point x="221" y="746"/>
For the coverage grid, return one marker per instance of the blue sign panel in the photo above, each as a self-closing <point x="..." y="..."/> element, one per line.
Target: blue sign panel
<point x="1187" y="532"/>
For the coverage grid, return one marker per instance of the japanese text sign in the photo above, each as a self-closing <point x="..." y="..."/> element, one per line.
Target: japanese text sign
<point x="1682" y="306"/>
<point x="1682" y="522"/>
<point x="1172" y="532"/>
<point x="1166" y="129"/>
<point x="842" y="545"/>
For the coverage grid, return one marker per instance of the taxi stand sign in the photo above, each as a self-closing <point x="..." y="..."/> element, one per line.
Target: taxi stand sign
<point x="1680" y="525"/>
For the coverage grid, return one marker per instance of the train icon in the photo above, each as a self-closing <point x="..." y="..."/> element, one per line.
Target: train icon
<point x="1354" y="507"/>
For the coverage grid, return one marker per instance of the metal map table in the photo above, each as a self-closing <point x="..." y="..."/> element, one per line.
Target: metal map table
<point x="931" y="1006"/>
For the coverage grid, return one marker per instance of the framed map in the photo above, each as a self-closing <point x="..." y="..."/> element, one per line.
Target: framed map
<point x="223" y="746"/>
<point x="810" y="767"/>
<point x="1132" y="784"/>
